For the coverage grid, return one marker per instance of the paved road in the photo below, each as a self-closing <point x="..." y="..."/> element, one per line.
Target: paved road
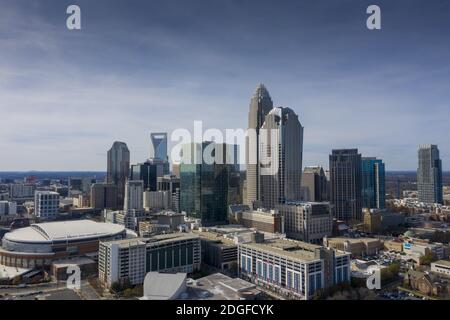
<point x="14" y="290"/>
<point x="86" y="292"/>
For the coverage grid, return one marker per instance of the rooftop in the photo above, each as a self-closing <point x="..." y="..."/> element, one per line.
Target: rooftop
<point x="213" y="236"/>
<point x="79" y="261"/>
<point x="443" y="262"/>
<point x="63" y="230"/>
<point x="287" y="248"/>
<point x="163" y="286"/>
<point x="47" y="192"/>
<point x="352" y="240"/>
<point x="218" y="286"/>
<point x="162" y="238"/>
<point x="124" y="243"/>
<point x="11" y="272"/>
<point x="171" y="237"/>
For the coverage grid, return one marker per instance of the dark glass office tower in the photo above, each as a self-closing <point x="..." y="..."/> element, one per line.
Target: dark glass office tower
<point x="204" y="185"/>
<point x="373" y="183"/>
<point x="346" y="184"/>
<point x="429" y="175"/>
<point x="147" y="172"/>
<point x="118" y="168"/>
<point x="314" y="184"/>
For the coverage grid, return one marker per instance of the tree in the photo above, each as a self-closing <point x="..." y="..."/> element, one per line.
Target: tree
<point x="390" y="273"/>
<point x="116" y="287"/>
<point x="428" y="258"/>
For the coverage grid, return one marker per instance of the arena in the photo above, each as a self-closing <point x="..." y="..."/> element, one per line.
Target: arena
<point x="40" y="244"/>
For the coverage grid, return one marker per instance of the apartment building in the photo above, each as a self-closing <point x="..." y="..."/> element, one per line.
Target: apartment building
<point x="121" y="261"/>
<point x="131" y="259"/>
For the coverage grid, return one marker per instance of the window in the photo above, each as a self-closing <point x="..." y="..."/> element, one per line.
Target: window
<point x="259" y="268"/>
<point x="319" y="281"/>
<point x="312" y="285"/>
<point x="265" y="270"/>
<point x="271" y="278"/>
<point x="289" y="279"/>
<point x="243" y="262"/>
<point x="277" y="274"/>
<point x="297" y="282"/>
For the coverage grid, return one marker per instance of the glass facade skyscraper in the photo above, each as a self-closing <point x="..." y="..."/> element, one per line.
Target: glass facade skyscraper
<point x="373" y="183"/>
<point x="146" y="172"/>
<point x="346" y="184"/>
<point x="429" y="175"/>
<point x="204" y="185"/>
<point x="159" y="141"/>
<point x="118" y="168"/>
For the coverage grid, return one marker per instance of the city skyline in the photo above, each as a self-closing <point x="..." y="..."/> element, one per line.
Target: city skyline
<point x="67" y="96"/>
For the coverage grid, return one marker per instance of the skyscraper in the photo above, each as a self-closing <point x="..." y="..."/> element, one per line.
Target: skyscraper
<point x="134" y="191"/>
<point x="118" y="168"/>
<point x="46" y="204"/>
<point x="159" y="141"/>
<point x="373" y="183"/>
<point x="146" y="172"/>
<point x="280" y="154"/>
<point x="260" y="105"/>
<point x="104" y="196"/>
<point x="346" y="184"/>
<point x="429" y="175"/>
<point x="314" y="184"/>
<point x="203" y="185"/>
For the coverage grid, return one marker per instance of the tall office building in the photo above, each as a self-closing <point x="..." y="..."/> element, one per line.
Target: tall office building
<point x="260" y="105"/>
<point x="46" y="204"/>
<point x="429" y="175"/>
<point x="307" y="221"/>
<point x="21" y="191"/>
<point x="176" y="169"/>
<point x="171" y="183"/>
<point x="8" y="208"/>
<point x="118" y="168"/>
<point x="104" y="196"/>
<point x="346" y="184"/>
<point x="159" y="141"/>
<point x="281" y="153"/>
<point x="204" y="185"/>
<point x="134" y="191"/>
<point x="314" y="184"/>
<point x="373" y="183"/>
<point x="146" y="172"/>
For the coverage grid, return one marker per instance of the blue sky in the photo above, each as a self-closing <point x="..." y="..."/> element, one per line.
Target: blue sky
<point x="141" y="66"/>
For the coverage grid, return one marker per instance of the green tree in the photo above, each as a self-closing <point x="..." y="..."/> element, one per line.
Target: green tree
<point x="116" y="287"/>
<point x="428" y="258"/>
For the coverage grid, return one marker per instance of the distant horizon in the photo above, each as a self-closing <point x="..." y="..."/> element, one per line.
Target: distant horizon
<point x="104" y="172"/>
<point x="157" y="66"/>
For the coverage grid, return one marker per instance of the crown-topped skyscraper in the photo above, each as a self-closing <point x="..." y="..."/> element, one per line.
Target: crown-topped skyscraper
<point x="274" y="153"/>
<point x="260" y="105"/>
